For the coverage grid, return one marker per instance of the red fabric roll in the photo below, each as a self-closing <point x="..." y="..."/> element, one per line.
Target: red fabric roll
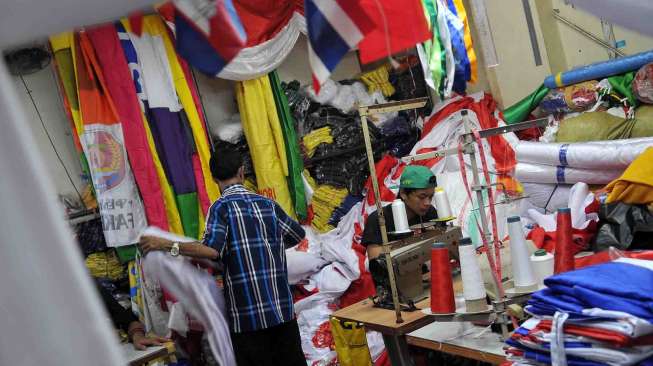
<point x="564" y="253"/>
<point x="442" y="298"/>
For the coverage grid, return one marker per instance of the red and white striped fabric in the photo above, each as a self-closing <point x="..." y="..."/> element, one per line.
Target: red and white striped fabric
<point x="334" y="28"/>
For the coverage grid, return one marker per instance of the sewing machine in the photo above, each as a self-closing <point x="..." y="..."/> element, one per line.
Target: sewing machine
<point x="409" y="256"/>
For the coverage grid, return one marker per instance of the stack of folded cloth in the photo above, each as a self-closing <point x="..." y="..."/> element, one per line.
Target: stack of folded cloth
<point x="598" y="315"/>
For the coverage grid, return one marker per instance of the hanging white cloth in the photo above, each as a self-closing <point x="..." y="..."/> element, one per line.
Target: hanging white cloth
<point x="196" y="290"/>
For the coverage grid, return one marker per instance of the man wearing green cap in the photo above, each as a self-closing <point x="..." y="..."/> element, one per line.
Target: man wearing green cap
<point x="416" y="189"/>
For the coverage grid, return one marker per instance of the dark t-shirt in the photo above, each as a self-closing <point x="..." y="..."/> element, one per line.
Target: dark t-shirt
<point x="372" y="232"/>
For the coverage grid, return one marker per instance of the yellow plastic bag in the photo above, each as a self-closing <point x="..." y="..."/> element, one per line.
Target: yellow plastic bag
<point x="351" y="343"/>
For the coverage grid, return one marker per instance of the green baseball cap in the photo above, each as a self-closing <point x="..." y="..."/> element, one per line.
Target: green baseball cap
<point x="417" y="177"/>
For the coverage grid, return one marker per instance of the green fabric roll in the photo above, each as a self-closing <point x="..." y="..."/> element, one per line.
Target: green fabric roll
<point x="293" y="154"/>
<point x="623" y="84"/>
<point x="519" y="111"/>
<point x="188" y="206"/>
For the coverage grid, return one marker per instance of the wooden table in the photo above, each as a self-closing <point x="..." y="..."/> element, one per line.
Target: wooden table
<point x="136" y="358"/>
<point x="461" y="339"/>
<point x="385" y="322"/>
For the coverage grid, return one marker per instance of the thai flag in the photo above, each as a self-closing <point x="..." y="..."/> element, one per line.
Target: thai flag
<point x="334" y="28"/>
<point x="209" y="33"/>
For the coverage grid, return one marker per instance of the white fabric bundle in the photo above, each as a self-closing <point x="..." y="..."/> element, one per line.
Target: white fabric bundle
<point x="579" y="198"/>
<point x="231" y="129"/>
<point x="546" y="196"/>
<point x="196" y="290"/>
<point x="534" y="173"/>
<point x="603" y="155"/>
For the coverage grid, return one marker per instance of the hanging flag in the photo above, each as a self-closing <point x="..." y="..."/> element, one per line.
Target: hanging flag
<point x="334" y="28"/>
<point x="209" y="33"/>
<point x="399" y="25"/>
<point x="121" y="208"/>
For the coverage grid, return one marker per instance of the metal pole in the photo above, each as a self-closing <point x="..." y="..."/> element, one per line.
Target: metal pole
<point x="479" y="188"/>
<point x="587" y="34"/>
<point x="379" y="208"/>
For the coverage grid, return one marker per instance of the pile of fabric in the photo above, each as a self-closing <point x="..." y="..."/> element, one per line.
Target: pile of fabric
<point x="588" y="109"/>
<point x="596" y="315"/>
<point x="329" y="272"/>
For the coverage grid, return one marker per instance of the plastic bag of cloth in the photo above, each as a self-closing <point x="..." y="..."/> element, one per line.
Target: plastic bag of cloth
<point x="298" y="102"/>
<point x="105" y="265"/>
<point x="546" y="198"/>
<point x="624" y="226"/>
<point x="535" y="173"/>
<point x="643" y="84"/>
<point x="230" y="130"/>
<point x="554" y="102"/>
<point x="584" y="220"/>
<point x="609" y="155"/>
<point x="90" y="236"/>
<point x="409" y="82"/>
<point x="581" y="96"/>
<point x="596" y="126"/>
<point x="400" y="136"/>
<point x="345" y="99"/>
<point x="328" y="92"/>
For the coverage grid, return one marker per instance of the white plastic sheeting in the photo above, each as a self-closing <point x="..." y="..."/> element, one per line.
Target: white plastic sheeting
<point x="602" y="155"/>
<point x="533" y="173"/>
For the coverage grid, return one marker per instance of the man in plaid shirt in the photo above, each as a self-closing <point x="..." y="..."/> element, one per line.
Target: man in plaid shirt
<point x="249" y="233"/>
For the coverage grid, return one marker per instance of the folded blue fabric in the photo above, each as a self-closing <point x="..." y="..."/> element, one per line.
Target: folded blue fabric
<point x="617" y="279"/>
<point x="609" y="286"/>
<point x="545" y="357"/>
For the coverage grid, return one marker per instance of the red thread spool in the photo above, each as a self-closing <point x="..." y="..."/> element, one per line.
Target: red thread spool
<point x="564" y="252"/>
<point x="442" y="298"/>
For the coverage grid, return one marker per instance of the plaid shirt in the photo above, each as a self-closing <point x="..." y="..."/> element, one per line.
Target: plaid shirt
<point x="250" y="233"/>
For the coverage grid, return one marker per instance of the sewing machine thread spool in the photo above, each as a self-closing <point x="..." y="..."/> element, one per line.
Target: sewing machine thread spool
<point x="542" y="263"/>
<point x="564" y="255"/>
<point x="473" y="287"/>
<point x="523" y="276"/>
<point x="442" y="296"/>
<point x="399" y="216"/>
<point x="442" y="203"/>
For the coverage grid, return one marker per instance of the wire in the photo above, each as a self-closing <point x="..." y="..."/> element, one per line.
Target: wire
<point x="550" y="197"/>
<point x="38" y="113"/>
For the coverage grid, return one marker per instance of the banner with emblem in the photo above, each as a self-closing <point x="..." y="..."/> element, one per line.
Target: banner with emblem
<point x="102" y="139"/>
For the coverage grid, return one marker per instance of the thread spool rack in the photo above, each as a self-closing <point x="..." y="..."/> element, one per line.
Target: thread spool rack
<point x="498" y="311"/>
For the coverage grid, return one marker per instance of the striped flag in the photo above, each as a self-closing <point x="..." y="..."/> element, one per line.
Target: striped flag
<point x="209" y="33"/>
<point x="334" y="28"/>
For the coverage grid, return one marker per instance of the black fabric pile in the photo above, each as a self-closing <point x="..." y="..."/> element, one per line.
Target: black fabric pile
<point x="400" y="136"/>
<point x="409" y="83"/>
<point x="624" y="226"/>
<point x="90" y="236"/>
<point x="343" y="163"/>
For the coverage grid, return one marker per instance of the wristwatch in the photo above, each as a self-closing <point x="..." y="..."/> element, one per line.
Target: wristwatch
<point x="174" y="251"/>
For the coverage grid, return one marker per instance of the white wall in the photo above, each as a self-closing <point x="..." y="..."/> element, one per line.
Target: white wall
<point x="44" y="91"/>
